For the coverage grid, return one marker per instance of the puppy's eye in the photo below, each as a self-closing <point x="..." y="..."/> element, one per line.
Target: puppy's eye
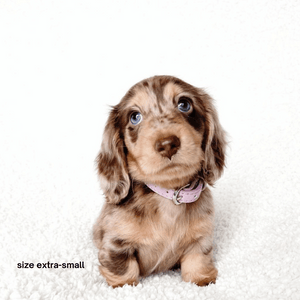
<point x="184" y="104"/>
<point x="136" y="118"/>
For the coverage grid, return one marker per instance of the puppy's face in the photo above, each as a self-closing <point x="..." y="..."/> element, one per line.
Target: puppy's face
<point x="164" y="131"/>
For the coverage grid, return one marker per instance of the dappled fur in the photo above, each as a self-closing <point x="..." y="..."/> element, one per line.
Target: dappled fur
<point x="138" y="232"/>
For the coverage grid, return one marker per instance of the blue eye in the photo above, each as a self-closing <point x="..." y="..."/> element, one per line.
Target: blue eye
<point x="136" y="118"/>
<point x="184" y="104"/>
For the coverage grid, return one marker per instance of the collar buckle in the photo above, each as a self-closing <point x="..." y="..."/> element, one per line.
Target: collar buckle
<point x="175" y="197"/>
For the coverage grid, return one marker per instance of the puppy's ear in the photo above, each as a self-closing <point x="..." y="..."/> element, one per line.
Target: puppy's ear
<point x="214" y="144"/>
<point x="112" y="162"/>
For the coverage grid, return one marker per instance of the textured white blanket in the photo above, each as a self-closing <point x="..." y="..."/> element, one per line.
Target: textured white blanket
<point x="63" y="62"/>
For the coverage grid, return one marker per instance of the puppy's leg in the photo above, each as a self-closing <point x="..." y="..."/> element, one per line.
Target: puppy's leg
<point x="197" y="264"/>
<point x="119" y="266"/>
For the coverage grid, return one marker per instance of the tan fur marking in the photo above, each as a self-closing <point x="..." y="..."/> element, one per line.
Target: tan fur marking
<point x="171" y="91"/>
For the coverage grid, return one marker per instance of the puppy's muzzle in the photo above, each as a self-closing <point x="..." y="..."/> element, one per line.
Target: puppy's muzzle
<point x="167" y="146"/>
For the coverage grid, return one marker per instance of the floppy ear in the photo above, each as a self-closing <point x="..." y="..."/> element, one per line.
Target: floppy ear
<point x="214" y="145"/>
<point x="112" y="162"/>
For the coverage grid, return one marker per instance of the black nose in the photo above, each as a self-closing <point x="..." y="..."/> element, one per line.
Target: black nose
<point x="167" y="146"/>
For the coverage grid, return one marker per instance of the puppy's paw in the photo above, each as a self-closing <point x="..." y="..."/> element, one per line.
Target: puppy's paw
<point x="198" y="268"/>
<point x="118" y="280"/>
<point x="208" y="278"/>
<point x="201" y="279"/>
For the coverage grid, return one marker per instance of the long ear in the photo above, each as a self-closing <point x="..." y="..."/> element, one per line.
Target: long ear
<point x="215" y="145"/>
<point x="112" y="162"/>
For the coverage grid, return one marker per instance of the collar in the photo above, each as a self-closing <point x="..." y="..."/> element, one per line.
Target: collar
<point x="186" y="194"/>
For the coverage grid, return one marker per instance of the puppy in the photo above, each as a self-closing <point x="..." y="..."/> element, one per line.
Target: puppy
<point x="162" y="145"/>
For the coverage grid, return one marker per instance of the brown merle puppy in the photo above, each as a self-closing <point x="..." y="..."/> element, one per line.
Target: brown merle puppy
<point x="165" y="132"/>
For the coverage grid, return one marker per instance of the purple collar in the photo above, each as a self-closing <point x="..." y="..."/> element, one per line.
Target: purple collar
<point x="186" y="194"/>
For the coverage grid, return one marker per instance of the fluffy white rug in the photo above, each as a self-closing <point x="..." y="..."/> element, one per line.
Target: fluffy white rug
<point x="51" y="125"/>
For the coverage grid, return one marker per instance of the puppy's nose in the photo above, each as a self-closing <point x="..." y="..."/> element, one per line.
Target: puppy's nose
<point x="167" y="146"/>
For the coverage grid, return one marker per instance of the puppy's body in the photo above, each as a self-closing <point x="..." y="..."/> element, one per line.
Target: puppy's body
<point x="138" y="231"/>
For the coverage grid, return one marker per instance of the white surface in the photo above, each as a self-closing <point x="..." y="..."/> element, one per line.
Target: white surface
<point x="62" y="63"/>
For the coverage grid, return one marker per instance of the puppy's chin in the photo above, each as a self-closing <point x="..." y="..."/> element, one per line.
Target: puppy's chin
<point x="169" y="174"/>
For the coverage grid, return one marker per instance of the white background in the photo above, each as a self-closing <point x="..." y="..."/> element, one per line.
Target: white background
<point x="63" y="63"/>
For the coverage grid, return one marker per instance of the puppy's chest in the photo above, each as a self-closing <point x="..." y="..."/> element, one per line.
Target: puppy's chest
<point x="167" y="237"/>
<point x="170" y="225"/>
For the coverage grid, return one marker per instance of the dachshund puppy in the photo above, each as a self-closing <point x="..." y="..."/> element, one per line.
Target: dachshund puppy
<point x="162" y="145"/>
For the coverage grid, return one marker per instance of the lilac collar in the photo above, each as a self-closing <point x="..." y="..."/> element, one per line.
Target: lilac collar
<point x="186" y="194"/>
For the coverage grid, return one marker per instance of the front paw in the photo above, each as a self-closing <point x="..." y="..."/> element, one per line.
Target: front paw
<point x="200" y="278"/>
<point x="118" y="280"/>
<point x="199" y="269"/>
<point x="208" y="278"/>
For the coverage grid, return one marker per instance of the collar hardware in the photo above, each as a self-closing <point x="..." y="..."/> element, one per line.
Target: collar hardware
<point x="175" y="197"/>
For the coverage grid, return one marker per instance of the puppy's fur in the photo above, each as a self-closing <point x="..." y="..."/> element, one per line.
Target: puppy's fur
<point x="139" y="232"/>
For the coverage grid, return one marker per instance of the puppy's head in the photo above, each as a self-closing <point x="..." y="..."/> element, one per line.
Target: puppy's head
<point x="164" y="131"/>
